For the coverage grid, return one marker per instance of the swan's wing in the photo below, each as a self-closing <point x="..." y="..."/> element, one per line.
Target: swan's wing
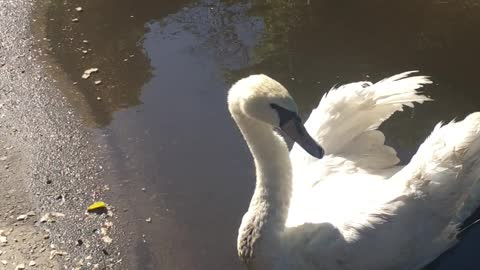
<point x="345" y="124"/>
<point x="345" y="121"/>
<point x="422" y="204"/>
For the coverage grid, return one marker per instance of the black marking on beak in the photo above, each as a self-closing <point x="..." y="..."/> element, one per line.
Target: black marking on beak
<point x="291" y="124"/>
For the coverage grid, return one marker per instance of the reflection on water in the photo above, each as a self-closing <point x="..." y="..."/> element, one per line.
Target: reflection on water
<point x="108" y="36"/>
<point x="165" y="110"/>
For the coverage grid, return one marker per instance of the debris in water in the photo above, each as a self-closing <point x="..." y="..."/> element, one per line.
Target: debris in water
<point x="88" y="72"/>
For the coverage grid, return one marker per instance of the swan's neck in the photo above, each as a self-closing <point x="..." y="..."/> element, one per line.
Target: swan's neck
<point x="265" y="220"/>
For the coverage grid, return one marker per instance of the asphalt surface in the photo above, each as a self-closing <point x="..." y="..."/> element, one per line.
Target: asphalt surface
<point x="51" y="161"/>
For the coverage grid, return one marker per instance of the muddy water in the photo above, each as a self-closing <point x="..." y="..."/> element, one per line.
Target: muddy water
<point x="165" y="69"/>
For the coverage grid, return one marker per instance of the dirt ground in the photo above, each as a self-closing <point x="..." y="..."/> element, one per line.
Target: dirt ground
<point x="52" y="165"/>
<point x="22" y="241"/>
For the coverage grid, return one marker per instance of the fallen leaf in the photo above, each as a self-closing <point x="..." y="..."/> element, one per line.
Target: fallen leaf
<point x="98" y="208"/>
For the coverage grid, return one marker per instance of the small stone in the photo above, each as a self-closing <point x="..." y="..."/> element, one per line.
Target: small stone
<point x="75" y="20"/>
<point x="49" y="217"/>
<point x="32" y="263"/>
<point x="107" y="239"/>
<point x="84" y="51"/>
<point x="46" y="236"/>
<point x="148" y="220"/>
<point x="3" y="158"/>
<point x="31" y="214"/>
<point x="22" y="217"/>
<point x="79" y="9"/>
<point x="144" y="189"/>
<point x="4" y="262"/>
<point x="3" y="240"/>
<point x="20" y="267"/>
<point x="98" y="82"/>
<point x="85" y="41"/>
<point x="99" y="98"/>
<point x="108" y="224"/>
<point x="54" y="253"/>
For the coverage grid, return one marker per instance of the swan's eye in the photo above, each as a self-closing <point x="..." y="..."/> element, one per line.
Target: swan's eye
<point x="285" y="115"/>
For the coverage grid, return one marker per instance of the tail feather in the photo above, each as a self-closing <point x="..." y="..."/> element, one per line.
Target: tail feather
<point x="446" y="168"/>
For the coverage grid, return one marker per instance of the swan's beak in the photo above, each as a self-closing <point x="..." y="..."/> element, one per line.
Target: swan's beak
<point x="297" y="132"/>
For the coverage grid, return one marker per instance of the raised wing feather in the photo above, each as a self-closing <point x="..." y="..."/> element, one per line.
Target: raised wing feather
<point x="345" y="121"/>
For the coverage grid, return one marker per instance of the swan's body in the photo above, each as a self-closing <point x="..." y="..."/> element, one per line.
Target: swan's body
<point x="354" y="208"/>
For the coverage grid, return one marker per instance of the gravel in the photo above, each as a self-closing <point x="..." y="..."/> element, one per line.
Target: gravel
<point x="47" y="150"/>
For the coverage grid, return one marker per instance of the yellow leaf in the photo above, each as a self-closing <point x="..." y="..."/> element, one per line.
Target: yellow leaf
<point x="97" y="206"/>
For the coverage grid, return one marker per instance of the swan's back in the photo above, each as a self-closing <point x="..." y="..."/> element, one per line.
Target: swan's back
<point x="381" y="216"/>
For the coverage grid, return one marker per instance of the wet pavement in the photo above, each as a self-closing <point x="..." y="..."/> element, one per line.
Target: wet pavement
<point x="165" y="69"/>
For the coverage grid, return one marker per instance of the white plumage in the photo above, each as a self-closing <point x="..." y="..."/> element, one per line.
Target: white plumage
<point x="354" y="208"/>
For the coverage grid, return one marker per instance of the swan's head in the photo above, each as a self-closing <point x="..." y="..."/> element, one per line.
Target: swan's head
<point x="263" y="99"/>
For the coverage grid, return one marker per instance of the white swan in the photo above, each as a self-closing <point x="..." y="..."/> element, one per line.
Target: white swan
<point x="353" y="208"/>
